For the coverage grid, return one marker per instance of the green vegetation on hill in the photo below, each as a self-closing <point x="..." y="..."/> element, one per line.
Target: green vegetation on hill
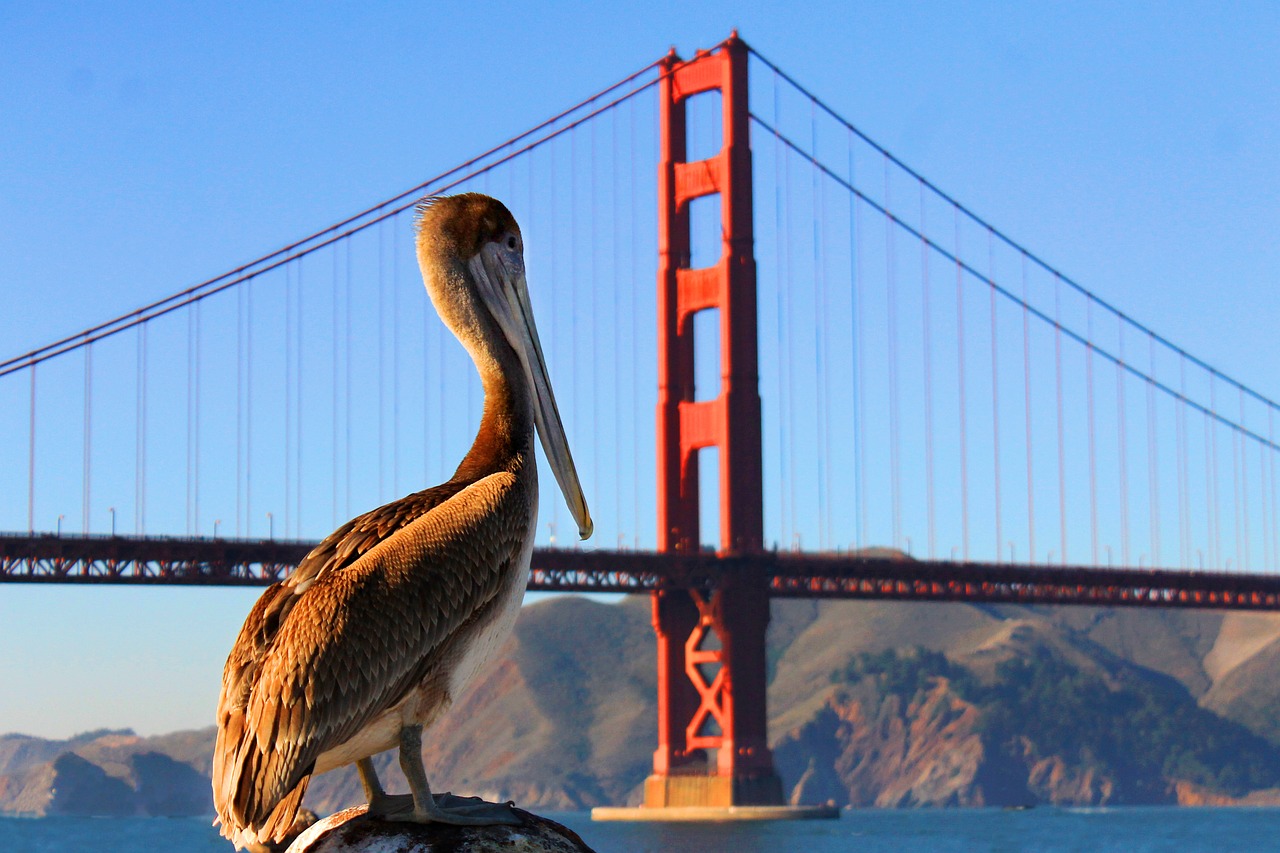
<point x="906" y="674"/>
<point x="1143" y="729"/>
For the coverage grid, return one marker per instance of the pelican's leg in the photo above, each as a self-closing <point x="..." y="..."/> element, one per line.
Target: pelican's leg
<point x="446" y="808"/>
<point x="381" y="804"/>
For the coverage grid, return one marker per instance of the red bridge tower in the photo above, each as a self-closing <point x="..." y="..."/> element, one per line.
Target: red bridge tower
<point x="711" y="650"/>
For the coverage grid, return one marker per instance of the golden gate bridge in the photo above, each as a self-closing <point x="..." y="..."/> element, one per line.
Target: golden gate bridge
<point x="862" y="389"/>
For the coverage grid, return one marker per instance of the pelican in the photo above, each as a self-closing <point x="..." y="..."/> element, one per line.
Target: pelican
<point x="383" y="624"/>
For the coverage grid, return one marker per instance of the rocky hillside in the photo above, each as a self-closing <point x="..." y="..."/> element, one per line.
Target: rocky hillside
<point x="106" y="773"/>
<point x="872" y="703"/>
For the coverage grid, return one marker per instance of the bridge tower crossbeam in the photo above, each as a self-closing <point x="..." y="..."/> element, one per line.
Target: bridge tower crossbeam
<point x="711" y="645"/>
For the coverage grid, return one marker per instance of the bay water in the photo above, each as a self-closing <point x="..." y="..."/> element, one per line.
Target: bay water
<point x="892" y="831"/>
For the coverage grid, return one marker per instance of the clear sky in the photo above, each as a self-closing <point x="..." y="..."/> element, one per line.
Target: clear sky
<point x="146" y="147"/>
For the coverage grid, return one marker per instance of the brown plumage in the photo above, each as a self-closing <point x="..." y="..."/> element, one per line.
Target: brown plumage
<point x="385" y="620"/>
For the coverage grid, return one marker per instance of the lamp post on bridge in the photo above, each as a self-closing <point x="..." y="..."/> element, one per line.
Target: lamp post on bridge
<point x="112" y="510"/>
<point x="60" y="517"/>
<point x="271" y="526"/>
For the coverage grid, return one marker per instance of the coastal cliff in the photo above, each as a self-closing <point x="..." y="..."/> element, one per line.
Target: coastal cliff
<point x="871" y="704"/>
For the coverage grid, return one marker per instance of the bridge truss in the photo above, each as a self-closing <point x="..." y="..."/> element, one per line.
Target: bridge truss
<point x="875" y="574"/>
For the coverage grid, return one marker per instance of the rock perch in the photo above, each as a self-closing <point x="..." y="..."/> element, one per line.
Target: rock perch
<point x="353" y="831"/>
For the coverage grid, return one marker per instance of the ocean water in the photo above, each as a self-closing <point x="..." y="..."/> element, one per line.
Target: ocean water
<point x="1132" y="830"/>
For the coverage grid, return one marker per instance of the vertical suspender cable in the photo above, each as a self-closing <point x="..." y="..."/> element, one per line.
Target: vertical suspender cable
<point x="248" y="407"/>
<point x="1210" y="486"/>
<point x="1153" y="459"/>
<point x="88" y="432"/>
<point x="1062" y="451"/>
<point x="335" y="342"/>
<point x="474" y="413"/>
<point x="140" y="438"/>
<point x="855" y="303"/>
<point x="146" y="403"/>
<point x="1238" y="513"/>
<point x="1184" y="506"/>
<point x="1271" y="458"/>
<point x="298" y="419"/>
<point x="382" y="362"/>
<point x="1211" y="436"/>
<point x="575" y="302"/>
<point x="346" y="396"/>
<point x="555" y="301"/>
<point x="1235" y="495"/>
<point x="1242" y="511"/>
<point x="927" y="355"/>
<point x="31" y="457"/>
<point x="592" y="308"/>
<point x="190" y="410"/>
<point x="823" y="330"/>
<point x="788" y="287"/>
<point x="818" y="310"/>
<point x="892" y="311"/>
<point x="614" y="301"/>
<point x="443" y="374"/>
<point x="826" y="382"/>
<point x="1026" y="390"/>
<point x="995" y="393"/>
<point x="1123" y="436"/>
<point x="1093" y="440"/>
<point x="1262" y="494"/>
<point x="395" y="358"/>
<point x="288" y="396"/>
<point x="240" y="368"/>
<point x="195" y="427"/>
<point x="426" y="386"/>
<point x="780" y="248"/>
<point x="962" y="407"/>
<point x="635" y="323"/>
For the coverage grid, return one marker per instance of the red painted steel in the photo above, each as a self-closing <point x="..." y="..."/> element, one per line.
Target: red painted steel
<point x="711" y="662"/>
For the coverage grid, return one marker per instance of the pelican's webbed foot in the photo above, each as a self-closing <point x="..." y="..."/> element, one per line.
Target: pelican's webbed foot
<point x="465" y="811"/>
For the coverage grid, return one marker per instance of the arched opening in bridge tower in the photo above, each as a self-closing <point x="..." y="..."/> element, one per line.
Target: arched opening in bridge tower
<point x="706" y="354"/>
<point x="706" y="232"/>
<point x="709" y="498"/>
<point x="704" y="125"/>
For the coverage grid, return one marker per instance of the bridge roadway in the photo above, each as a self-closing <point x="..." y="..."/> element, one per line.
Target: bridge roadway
<point x="868" y="574"/>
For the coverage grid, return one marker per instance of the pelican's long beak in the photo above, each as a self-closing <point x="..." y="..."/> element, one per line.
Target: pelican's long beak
<point x="510" y="305"/>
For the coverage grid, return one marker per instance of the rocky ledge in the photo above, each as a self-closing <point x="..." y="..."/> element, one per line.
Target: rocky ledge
<point x="353" y="831"/>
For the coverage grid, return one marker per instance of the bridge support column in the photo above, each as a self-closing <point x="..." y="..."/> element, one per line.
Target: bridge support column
<point x="711" y="644"/>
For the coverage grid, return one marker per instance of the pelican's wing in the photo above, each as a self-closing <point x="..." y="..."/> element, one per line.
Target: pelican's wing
<point x="258" y="634"/>
<point x="360" y="639"/>
<point x="345" y="545"/>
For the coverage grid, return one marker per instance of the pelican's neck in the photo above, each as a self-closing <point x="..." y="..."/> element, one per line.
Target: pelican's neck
<point x="505" y="437"/>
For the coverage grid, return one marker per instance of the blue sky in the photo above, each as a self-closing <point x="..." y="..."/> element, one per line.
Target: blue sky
<point x="148" y="147"/>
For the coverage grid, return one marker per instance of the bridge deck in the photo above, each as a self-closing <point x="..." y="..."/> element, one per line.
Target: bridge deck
<point x="43" y="558"/>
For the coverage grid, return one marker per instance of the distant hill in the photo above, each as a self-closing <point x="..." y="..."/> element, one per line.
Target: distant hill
<point x="871" y="703"/>
<point x="111" y="773"/>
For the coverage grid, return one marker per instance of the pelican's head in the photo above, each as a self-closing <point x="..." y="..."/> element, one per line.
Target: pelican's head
<point x="472" y="259"/>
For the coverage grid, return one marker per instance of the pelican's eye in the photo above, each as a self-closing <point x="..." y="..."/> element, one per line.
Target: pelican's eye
<point x="511" y="241"/>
